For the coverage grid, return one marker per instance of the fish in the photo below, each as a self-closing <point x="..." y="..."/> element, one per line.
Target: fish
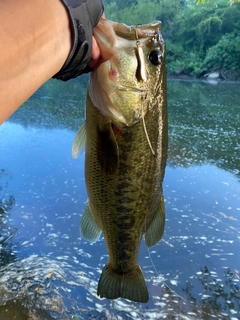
<point x="125" y="141"/>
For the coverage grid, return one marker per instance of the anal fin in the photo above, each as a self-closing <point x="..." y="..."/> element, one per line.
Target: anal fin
<point x="155" y="231"/>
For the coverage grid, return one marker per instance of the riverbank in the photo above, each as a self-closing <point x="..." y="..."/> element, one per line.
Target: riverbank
<point x="229" y="75"/>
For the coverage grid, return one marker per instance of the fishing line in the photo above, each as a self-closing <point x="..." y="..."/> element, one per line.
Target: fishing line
<point x="150" y="257"/>
<point x="144" y="78"/>
<point x="164" y="283"/>
<point x="145" y="130"/>
<point x="154" y="268"/>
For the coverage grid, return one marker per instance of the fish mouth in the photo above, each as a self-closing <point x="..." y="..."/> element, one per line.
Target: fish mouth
<point x="130" y="89"/>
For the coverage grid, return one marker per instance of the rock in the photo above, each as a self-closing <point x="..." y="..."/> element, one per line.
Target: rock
<point x="213" y="75"/>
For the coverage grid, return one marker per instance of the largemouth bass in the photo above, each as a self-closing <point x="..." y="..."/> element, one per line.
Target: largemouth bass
<point x="125" y="136"/>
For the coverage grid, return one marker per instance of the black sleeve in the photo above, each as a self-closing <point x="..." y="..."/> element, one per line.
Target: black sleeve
<point x="84" y="16"/>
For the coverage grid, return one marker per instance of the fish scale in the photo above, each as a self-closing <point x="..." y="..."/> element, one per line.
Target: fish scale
<point x="121" y="203"/>
<point x="126" y="151"/>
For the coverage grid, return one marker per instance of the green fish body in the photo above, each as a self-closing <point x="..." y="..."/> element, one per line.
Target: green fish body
<point x="126" y="150"/>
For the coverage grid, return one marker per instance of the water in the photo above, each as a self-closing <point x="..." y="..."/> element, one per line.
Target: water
<point x="47" y="271"/>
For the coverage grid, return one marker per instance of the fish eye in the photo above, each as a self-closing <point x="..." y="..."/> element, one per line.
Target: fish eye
<point x="155" y="57"/>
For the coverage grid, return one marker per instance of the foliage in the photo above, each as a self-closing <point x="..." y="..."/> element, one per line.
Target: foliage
<point x="180" y="61"/>
<point x="142" y="12"/>
<point x="225" y="54"/>
<point x="203" y="1"/>
<point x="200" y="38"/>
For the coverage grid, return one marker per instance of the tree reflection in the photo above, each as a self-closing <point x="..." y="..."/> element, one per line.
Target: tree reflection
<point x="7" y="201"/>
<point x="6" y="204"/>
<point x="56" y="105"/>
<point x="218" y="297"/>
<point x="203" y="119"/>
<point x="203" y="125"/>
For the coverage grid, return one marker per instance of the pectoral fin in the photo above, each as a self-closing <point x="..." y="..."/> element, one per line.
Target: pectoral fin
<point x="88" y="227"/>
<point x="155" y="230"/>
<point x="79" y="141"/>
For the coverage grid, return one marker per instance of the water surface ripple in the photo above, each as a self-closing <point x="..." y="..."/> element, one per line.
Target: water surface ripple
<point x="47" y="271"/>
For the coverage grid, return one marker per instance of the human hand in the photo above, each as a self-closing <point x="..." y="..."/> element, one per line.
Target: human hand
<point x="96" y="54"/>
<point x="83" y="51"/>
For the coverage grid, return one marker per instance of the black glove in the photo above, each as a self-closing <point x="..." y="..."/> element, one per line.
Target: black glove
<point x="84" y="15"/>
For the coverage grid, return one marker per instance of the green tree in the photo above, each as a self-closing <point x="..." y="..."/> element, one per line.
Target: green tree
<point x="139" y="11"/>
<point x="200" y="29"/>
<point x="225" y="54"/>
<point x="194" y="34"/>
<point x="203" y="1"/>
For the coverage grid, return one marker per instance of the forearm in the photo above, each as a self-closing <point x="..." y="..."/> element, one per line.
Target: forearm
<point x="35" y="40"/>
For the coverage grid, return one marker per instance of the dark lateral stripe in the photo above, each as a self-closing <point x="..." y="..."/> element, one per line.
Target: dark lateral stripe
<point x="125" y="200"/>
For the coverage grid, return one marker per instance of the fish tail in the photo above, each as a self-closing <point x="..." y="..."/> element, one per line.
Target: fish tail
<point x="129" y="286"/>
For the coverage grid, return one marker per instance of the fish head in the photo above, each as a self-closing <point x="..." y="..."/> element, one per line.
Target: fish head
<point x="128" y="81"/>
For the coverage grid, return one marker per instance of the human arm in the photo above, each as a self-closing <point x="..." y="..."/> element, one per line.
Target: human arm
<point x="35" y="41"/>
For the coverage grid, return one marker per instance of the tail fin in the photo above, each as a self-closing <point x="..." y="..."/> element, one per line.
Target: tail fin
<point x="129" y="286"/>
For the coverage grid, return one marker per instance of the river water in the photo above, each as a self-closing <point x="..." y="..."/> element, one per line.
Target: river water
<point x="47" y="271"/>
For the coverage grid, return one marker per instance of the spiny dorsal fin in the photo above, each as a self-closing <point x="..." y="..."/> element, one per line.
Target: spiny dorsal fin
<point x="79" y="141"/>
